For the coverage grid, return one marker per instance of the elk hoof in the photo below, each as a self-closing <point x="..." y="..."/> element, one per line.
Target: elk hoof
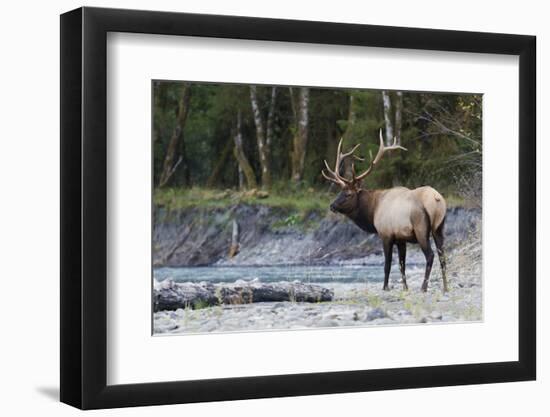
<point x="386" y="288"/>
<point x="424" y="288"/>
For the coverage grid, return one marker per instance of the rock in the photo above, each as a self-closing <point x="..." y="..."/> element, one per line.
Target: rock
<point x="448" y="318"/>
<point x="164" y="325"/>
<point x="436" y="315"/>
<point x="167" y="284"/>
<point x="404" y="313"/>
<point x="209" y="327"/>
<point x="382" y="320"/>
<point x="324" y="323"/>
<point x="376" y="313"/>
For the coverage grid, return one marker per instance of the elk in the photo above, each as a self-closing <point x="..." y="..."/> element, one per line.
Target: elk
<point x="398" y="215"/>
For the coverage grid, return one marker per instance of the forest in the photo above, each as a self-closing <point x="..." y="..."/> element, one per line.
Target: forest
<point x="275" y="138"/>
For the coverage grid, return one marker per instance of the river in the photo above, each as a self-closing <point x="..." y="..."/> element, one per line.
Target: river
<point x="275" y="273"/>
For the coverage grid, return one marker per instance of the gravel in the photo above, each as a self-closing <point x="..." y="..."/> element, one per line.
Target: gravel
<point x="355" y="304"/>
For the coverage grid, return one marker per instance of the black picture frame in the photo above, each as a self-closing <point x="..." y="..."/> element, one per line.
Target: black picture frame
<point x="84" y="207"/>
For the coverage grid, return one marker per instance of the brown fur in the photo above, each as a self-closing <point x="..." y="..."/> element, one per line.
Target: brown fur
<point x="399" y="216"/>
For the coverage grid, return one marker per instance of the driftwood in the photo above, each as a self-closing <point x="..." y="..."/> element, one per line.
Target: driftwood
<point x="170" y="295"/>
<point x="234" y="248"/>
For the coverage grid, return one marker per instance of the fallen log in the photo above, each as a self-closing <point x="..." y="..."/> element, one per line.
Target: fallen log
<point x="170" y="295"/>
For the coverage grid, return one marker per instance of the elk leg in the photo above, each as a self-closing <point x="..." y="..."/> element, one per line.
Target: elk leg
<point x="438" y="238"/>
<point x="402" y="251"/>
<point x="388" y="249"/>
<point x="424" y="242"/>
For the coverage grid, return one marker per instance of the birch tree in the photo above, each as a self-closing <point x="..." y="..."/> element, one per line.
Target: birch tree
<point x="264" y="132"/>
<point x="393" y="131"/>
<point x="387" y="117"/>
<point x="177" y="141"/>
<point x="398" y="115"/>
<point x="348" y="134"/>
<point x="270" y="119"/>
<point x="299" y="141"/>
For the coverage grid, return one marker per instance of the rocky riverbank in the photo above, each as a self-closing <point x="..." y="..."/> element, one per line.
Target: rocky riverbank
<point x="354" y="304"/>
<point x="270" y="236"/>
<point x="196" y="236"/>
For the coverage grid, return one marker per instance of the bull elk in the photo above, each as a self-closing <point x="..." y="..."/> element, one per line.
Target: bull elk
<point x="398" y="215"/>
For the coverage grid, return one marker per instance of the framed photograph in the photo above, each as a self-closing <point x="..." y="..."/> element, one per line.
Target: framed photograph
<point x="258" y="208"/>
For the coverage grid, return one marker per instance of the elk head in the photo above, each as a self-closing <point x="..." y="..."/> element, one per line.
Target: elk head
<point x="347" y="200"/>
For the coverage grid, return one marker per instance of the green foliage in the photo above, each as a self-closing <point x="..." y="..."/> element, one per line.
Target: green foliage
<point x="374" y="300"/>
<point x="200" y="304"/>
<point x="292" y="220"/>
<point x="302" y="204"/>
<point x="301" y="220"/>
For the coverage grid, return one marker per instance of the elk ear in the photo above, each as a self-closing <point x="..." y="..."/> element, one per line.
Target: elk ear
<point x="357" y="185"/>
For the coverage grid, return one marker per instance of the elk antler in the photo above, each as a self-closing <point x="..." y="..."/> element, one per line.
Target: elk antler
<point x="340" y="157"/>
<point x="381" y="150"/>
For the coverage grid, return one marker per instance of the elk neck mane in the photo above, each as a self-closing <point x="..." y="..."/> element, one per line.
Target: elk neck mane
<point x="363" y="214"/>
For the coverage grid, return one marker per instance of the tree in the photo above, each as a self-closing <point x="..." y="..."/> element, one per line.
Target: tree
<point x="387" y="117"/>
<point x="220" y="163"/>
<point x="264" y="132"/>
<point x="300" y="134"/>
<point x="177" y="141"/>
<point x="348" y="134"/>
<point x="270" y="119"/>
<point x="240" y="156"/>
<point x="393" y="131"/>
<point x="398" y="115"/>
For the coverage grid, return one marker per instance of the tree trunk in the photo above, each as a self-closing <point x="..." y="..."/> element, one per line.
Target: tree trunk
<point x="300" y="135"/>
<point x="346" y="168"/>
<point x="176" y="141"/>
<point x="332" y="138"/>
<point x="241" y="177"/>
<point x="387" y="117"/>
<point x="156" y="104"/>
<point x="263" y="148"/>
<point x="241" y="156"/>
<point x="270" y="119"/>
<point x="170" y="295"/>
<point x="220" y="163"/>
<point x="398" y="115"/>
<point x="235" y="246"/>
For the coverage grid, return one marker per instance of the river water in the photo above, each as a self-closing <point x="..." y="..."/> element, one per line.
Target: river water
<point x="302" y="273"/>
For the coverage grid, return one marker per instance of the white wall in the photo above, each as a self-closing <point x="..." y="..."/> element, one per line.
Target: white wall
<point x="29" y="148"/>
